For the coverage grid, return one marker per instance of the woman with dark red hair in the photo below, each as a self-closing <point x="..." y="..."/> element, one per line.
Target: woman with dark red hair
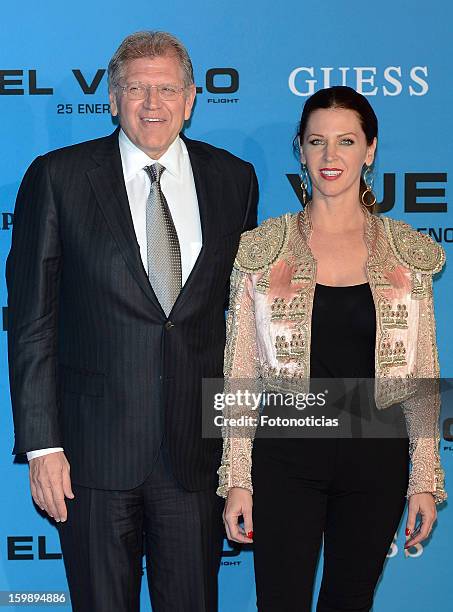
<point x="333" y="292"/>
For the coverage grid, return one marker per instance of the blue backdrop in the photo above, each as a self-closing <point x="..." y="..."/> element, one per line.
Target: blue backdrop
<point x="255" y="62"/>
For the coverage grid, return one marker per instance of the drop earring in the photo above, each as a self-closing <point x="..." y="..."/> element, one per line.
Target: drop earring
<point x="304" y="179"/>
<point x="368" y="178"/>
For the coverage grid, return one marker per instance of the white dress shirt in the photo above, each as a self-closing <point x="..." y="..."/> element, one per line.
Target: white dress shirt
<point x="178" y="186"/>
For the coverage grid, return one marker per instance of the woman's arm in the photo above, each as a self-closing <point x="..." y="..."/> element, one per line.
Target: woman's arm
<point x="422" y="410"/>
<point x="426" y="482"/>
<point x="241" y="377"/>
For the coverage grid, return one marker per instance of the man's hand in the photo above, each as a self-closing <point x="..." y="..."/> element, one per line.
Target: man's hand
<point x="238" y="503"/>
<point x="50" y="484"/>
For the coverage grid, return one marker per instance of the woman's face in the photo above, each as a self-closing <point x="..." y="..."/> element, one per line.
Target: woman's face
<point x="334" y="150"/>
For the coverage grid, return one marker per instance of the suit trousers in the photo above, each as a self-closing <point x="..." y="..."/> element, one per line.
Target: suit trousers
<point x="349" y="492"/>
<point x="107" y="533"/>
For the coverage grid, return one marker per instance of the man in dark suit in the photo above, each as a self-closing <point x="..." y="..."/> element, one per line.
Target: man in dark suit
<point x="117" y="278"/>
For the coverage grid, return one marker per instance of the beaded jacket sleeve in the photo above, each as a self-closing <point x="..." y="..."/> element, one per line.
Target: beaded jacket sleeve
<point x="241" y="370"/>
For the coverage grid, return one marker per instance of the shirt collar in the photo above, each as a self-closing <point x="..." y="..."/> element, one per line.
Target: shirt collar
<point x="134" y="159"/>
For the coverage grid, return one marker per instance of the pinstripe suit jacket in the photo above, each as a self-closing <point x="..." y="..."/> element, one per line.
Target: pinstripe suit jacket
<point x="95" y="365"/>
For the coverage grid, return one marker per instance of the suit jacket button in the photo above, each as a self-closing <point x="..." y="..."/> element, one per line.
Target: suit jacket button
<point x="169" y="325"/>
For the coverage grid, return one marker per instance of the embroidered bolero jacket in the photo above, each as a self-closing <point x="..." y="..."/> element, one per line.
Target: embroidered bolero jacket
<point x="269" y="330"/>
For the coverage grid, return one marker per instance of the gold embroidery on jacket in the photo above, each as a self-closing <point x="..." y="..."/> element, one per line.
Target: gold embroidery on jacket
<point x="294" y="349"/>
<point x="284" y="379"/>
<point x="303" y="272"/>
<point x="297" y="308"/>
<point x="378" y="277"/>
<point x="391" y="389"/>
<point x="294" y="310"/>
<point x="237" y="285"/>
<point x="282" y="347"/>
<point x="278" y="309"/>
<point x="420" y="285"/>
<point x="393" y="319"/>
<point x="297" y="345"/>
<point x="263" y="284"/>
<point x="413" y="249"/>
<point x="392" y="355"/>
<point x="261" y="247"/>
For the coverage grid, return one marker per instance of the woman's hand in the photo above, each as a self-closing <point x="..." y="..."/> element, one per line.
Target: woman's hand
<point x="423" y="504"/>
<point x="239" y="503"/>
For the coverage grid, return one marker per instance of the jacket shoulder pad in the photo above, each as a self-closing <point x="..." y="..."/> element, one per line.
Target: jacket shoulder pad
<point x="415" y="250"/>
<point x="261" y="247"/>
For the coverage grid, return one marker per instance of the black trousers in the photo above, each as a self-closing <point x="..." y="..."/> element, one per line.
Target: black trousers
<point x="351" y="492"/>
<point x="181" y="533"/>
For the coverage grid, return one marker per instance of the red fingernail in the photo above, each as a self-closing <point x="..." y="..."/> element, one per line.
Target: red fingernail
<point x="408" y="531"/>
<point x="250" y="534"/>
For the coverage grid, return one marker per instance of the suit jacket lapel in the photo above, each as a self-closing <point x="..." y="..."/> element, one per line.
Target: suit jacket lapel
<point x="108" y="185"/>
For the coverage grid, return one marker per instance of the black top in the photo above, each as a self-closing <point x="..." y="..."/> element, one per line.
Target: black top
<point x="342" y="347"/>
<point x="343" y="332"/>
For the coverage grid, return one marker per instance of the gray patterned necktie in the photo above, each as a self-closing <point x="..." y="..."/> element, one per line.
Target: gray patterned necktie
<point x="164" y="255"/>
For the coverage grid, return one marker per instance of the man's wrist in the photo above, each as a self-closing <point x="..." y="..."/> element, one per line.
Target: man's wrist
<point x="43" y="451"/>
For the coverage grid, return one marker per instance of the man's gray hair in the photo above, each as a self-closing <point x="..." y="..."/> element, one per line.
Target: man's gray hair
<point x="149" y="44"/>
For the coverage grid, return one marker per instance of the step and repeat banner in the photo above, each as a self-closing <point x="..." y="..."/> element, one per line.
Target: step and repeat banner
<point x="255" y="64"/>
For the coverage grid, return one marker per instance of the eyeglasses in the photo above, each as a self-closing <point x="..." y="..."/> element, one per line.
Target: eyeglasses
<point x="139" y="91"/>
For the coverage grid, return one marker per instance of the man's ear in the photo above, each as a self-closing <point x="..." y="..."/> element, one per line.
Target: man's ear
<point x="113" y="104"/>
<point x="190" y="99"/>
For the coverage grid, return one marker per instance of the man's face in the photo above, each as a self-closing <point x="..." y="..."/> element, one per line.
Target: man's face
<point x="152" y="124"/>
